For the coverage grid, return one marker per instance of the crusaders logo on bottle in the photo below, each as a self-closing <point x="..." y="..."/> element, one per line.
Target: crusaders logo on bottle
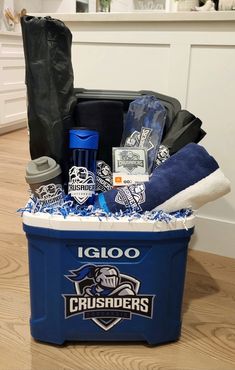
<point x="50" y="194"/>
<point x="81" y="184"/>
<point x="104" y="180"/>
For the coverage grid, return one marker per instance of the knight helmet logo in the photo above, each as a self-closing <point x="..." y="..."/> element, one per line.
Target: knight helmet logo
<point x="162" y="155"/>
<point x="103" y="169"/>
<point x="130" y="160"/>
<point x="104" y="180"/>
<point x="105" y="296"/>
<point x="132" y="196"/>
<point x="81" y="184"/>
<point x="133" y="140"/>
<point x="50" y="194"/>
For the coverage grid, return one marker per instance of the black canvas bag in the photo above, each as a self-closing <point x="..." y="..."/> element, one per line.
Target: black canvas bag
<point x="49" y="79"/>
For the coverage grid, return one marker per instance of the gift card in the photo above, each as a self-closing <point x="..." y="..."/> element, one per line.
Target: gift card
<point x="129" y="166"/>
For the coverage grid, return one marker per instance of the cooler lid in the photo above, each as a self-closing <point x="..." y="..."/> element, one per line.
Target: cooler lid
<point x="93" y="223"/>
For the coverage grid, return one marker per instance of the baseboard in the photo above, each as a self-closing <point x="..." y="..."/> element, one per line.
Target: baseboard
<point x="214" y="236"/>
<point x="4" y="128"/>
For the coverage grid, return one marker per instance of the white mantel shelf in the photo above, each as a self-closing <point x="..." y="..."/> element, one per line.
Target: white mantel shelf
<point x="137" y="16"/>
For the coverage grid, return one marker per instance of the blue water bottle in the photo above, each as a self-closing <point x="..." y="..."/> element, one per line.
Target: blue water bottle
<point x="83" y="144"/>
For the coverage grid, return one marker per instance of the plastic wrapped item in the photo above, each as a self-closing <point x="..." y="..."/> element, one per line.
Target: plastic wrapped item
<point x="144" y="126"/>
<point x="49" y="80"/>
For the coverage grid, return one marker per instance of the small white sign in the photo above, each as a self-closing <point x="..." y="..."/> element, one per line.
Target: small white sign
<point x="129" y="166"/>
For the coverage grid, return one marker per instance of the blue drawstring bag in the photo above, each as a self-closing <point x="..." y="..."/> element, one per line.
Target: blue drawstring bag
<point x="144" y="126"/>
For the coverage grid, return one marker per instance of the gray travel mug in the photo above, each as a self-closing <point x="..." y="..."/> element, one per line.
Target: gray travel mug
<point x="44" y="178"/>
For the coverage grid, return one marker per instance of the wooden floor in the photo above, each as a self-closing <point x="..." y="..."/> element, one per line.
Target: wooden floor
<point x="208" y="333"/>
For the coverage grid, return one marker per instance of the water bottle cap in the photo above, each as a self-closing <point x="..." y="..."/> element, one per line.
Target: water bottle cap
<point x="42" y="169"/>
<point x="83" y="138"/>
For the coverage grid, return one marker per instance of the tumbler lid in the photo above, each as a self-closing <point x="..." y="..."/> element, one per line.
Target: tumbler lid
<point x="83" y="138"/>
<point x="42" y="169"/>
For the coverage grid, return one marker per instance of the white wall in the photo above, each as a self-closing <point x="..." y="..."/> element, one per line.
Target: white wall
<point x="32" y="6"/>
<point x="58" y="6"/>
<point x="46" y="6"/>
<point x="211" y="92"/>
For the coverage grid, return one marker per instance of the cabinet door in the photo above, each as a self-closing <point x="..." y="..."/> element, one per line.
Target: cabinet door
<point x="12" y="85"/>
<point x="12" y="75"/>
<point x="12" y="107"/>
<point x="11" y="46"/>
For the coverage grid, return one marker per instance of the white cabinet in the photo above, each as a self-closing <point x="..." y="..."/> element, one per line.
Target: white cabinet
<point x="12" y="86"/>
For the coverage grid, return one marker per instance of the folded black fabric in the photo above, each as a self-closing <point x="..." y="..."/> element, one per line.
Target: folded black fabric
<point x="106" y="116"/>
<point x="185" y="129"/>
<point x="49" y="80"/>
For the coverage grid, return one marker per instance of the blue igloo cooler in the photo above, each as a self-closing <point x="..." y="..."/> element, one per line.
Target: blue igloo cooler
<point x="109" y="280"/>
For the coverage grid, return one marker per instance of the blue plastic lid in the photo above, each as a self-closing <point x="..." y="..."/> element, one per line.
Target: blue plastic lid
<point x="83" y="138"/>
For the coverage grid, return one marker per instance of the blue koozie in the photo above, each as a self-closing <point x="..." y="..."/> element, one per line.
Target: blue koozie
<point x="83" y="144"/>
